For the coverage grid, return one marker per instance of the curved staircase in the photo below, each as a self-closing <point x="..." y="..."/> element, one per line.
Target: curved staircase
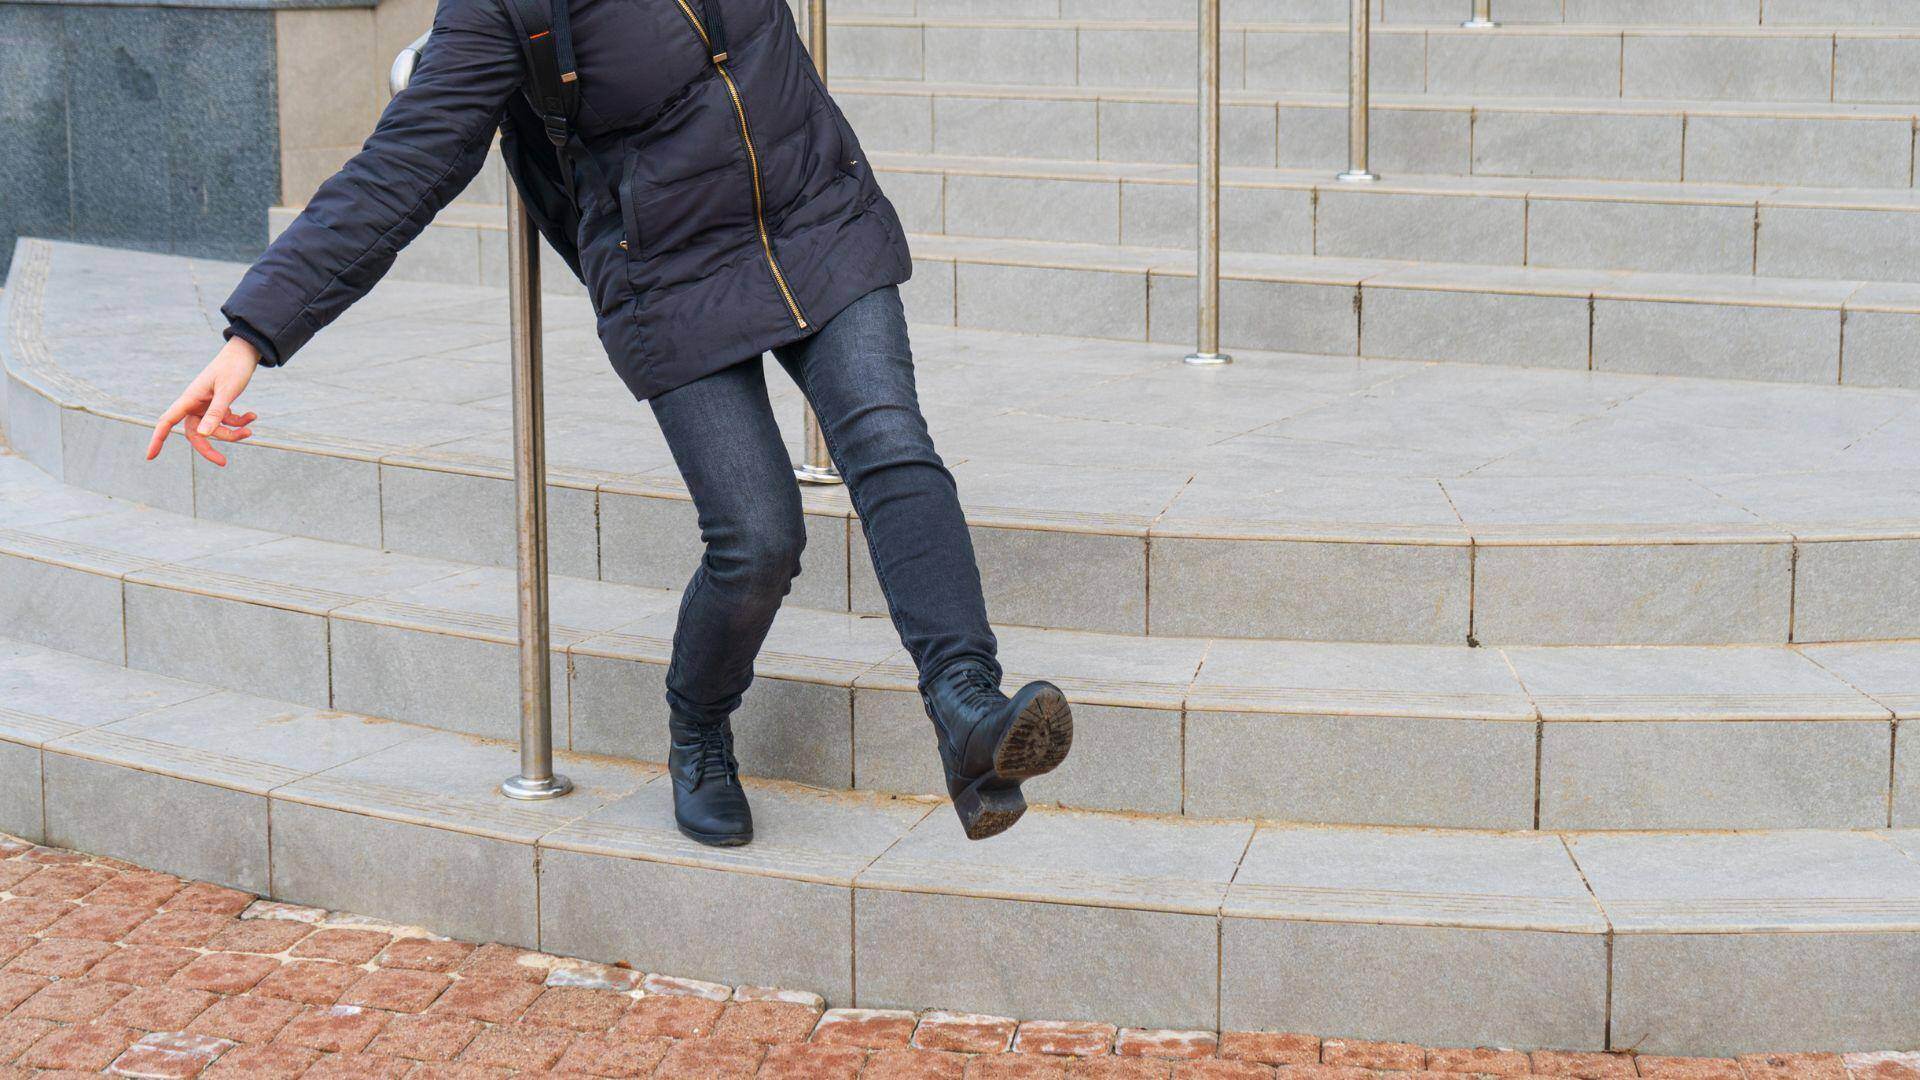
<point x="1518" y="645"/>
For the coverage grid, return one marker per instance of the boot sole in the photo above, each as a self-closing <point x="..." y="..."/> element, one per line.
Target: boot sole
<point x="1035" y="743"/>
<point x="716" y="839"/>
<point x="1040" y="737"/>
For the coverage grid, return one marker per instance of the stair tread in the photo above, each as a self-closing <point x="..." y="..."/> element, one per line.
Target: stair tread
<point x="1526" y="29"/>
<point x="1639" y="882"/>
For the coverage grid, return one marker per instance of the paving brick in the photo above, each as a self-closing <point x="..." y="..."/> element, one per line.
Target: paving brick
<point x="12" y="945"/>
<point x="345" y="946"/>
<point x="675" y="1017"/>
<point x="1360" y="1054"/>
<point x="710" y="1059"/>
<point x="670" y="984"/>
<point x="1270" y="1047"/>
<point x="1794" y="1066"/>
<point x="615" y="1053"/>
<point x="767" y="1021"/>
<point x="1481" y="1060"/>
<point x="504" y="961"/>
<point x="268" y="936"/>
<point x="334" y="1029"/>
<point x="309" y="982"/>
<point x="1221" y="1070"/>
<point x="425" y="1038"/>
<point x="1065" y="1038"/>
<point x="272" y="1062"/>
<point x="224" y="973"/>
<point x="61" y="958"/>
<point x="362" y="1067"/>
<point x="424" y="954"/>
<point x="214" y="899"/>
<point x="99" y="922"/>
<point x="140" y="889"/>
<point x="518" y="1046"/>
<point x="247" y="1019"/>
<point x="19" y="1032"/>
<point x="73" y="1002"/>
<point x="1690" y="1068"/>
<point x="1885" y="1065"/>
<point x="811" y="1061"/>
<point x="594" y="977"/>
<point x="875" y="1029"/>
<point x="168" y="1056"/>
<point x="18" y="986"/>
<point x="904" y="1064"/>
<point x="30" y="914"/>
<point x="967" y="1033"/>
<point x="775" y="993"/>
<point x="143" y="965"/>
<point x="460" y="1071"/>
<point x="88" y="1047"/>
<point x="397" y="991"/>
<point x="63" y="882"/>
<point x="159" y="1008"/>
<point x="13" y="872"/>
<point x="182" y="929"/>
<point x="1016" y="1067"/>
<point x="1586" y="1066"/>
<point x="577" y="1009"/>
<point x="491" y="998"/>
<point x="1161" y="1043"/>
<point x="52" y="856"/>
<point x="1119" y="1068"/>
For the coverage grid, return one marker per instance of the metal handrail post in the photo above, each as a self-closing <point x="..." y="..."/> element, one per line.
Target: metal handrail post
<point x="1359" y="92"/>
<point x="1207" y="273"/>
<point x="536" y="779"/>
<point x="1482" y="17"/>
<point x="817" y="468"/>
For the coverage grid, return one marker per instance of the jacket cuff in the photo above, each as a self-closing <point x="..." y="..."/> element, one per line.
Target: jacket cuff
<point x="269" y="356"/>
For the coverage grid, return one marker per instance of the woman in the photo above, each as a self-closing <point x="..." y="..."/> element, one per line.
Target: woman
<point x="725" y="211"/>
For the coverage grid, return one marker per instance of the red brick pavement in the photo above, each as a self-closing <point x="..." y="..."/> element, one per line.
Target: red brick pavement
<point x="105" y="967"/>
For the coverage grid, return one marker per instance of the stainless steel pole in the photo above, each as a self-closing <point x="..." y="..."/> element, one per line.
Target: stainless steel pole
<point x="1482" y="16"/>
<point x="536" y="779"/>
<point x="817" y="468"/>
<point x="1206" y="313"/>
<point x="1359" y="92"/>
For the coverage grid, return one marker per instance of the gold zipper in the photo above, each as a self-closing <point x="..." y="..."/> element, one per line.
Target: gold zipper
<point x="753" y="164"/>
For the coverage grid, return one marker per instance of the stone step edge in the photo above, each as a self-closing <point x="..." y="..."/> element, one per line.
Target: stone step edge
<point x="890" y="672"/>
<point x="1263" y="177"/>
<point x="1390" y="100"/>
<point x="562" y="825"/>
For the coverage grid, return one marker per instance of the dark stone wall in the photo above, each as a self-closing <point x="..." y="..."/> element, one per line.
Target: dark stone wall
<point x="143" y="127"/>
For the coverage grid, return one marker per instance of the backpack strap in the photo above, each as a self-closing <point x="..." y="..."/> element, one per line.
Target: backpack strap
<point x="553" y="83"/>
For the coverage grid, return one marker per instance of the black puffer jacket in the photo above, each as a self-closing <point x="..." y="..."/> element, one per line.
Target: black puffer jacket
<point x="739" y="213"/>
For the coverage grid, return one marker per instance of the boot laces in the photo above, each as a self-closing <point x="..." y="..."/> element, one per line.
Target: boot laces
<point x="978" y="688"/>
<point x="715" y="760"/>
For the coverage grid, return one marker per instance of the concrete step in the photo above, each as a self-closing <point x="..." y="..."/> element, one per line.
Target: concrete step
<point x="1807" y="144"/>
<point x="1754" y="63"/>
<point x="1671" y="943"/>
<point x="1373" y="500"/>
<point x="1638" y="13"/>
<point x="1508" y="738"/>
<point x="1714" y="229"/>
<point x="1738" y="326"/>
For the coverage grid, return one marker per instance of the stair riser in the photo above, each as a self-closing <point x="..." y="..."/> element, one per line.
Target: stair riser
<point x="1773" y="66"/>
<point x="1664" y="13"/>
<point x="1872" y="151"/>
<point x="1697" y="237"/>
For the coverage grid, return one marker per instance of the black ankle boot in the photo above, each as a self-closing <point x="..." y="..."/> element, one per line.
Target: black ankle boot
<point x="990" y="742"/>
<point x="709" y="804"/>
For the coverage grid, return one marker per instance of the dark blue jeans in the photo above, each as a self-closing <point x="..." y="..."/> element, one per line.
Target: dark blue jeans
<point x="857" y="371"/>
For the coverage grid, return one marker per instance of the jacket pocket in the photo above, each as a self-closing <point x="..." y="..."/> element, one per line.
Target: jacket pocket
<point x="629" y="220"/>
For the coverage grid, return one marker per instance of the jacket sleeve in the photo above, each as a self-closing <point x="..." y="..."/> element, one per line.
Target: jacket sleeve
<point x="430" y="143"/>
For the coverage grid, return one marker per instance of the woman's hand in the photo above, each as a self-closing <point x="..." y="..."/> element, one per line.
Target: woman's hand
<point x="207" y="404"/>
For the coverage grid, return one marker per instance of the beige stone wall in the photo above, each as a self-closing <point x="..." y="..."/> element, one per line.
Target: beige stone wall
<point x="333" y="83"/>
